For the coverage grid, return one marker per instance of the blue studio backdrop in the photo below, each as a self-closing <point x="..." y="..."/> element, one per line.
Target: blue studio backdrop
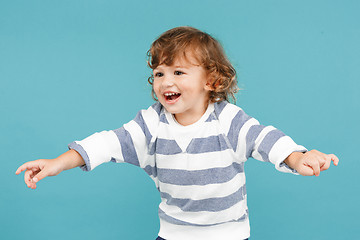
<point x="72" y="68"/>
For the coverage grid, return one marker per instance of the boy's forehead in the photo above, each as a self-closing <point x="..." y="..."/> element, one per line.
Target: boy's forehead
<point x="185" y="60"/>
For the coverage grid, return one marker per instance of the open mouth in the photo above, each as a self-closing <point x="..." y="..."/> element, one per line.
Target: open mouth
<point x="171" y="96"/>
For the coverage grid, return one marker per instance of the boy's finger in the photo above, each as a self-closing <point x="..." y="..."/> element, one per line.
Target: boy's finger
<point x="316" y="168"/>
<point x="25" y="166"/>
<point x="33" y="185"/>
<point x="27" y="177"/>
<point x="334" y="159"/>
<point x="323" y="158"/>
<point x="21" y="168"/>
<point x="326" y="165"/>
<point x="42" y="174"/>
<point x="306" y="171"/>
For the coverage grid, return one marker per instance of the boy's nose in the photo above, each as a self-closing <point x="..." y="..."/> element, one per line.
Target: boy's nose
<point x="168" y="81"/>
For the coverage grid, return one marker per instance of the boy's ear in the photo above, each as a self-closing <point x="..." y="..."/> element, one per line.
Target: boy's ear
<point x="208" y="86"/>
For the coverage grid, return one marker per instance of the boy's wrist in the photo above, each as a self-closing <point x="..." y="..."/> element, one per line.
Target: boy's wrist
<point x="293" y="158"/>
<point x="70" y="159"/>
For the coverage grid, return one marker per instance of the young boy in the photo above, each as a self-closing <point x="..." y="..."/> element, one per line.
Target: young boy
<point x="192" y="142"/>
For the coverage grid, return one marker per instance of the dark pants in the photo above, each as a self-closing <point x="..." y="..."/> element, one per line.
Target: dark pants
<point x="160" y="238"/>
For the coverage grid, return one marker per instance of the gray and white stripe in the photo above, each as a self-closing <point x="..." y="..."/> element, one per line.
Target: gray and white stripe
<point x="199" y="171"/>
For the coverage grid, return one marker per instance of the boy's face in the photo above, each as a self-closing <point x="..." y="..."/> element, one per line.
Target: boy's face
<point x="182" y="89"/>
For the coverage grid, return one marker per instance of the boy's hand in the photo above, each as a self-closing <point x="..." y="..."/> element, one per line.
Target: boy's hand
<point x="39" y="169"/>
<point x="311" y="162"/>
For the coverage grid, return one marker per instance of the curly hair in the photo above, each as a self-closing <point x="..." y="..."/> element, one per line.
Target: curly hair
<point x="208" y="52"/>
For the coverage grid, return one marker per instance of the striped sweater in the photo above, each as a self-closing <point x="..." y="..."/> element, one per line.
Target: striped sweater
<point x="198" y="169"/>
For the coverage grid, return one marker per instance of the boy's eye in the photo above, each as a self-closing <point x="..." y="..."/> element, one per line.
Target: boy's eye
<point x="159" y="74"/>
<point x="178" y="73"/>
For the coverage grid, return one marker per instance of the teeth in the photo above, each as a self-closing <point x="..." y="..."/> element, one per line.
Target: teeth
<point x="170" y="94"/>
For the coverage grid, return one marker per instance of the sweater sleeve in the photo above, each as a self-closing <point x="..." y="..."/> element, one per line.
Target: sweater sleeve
<point x="129" y="144"/>
<point x="251" y="139"/>
<point x="269" y="144"/>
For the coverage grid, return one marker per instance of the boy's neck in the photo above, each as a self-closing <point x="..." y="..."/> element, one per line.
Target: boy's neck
<point x="188" y="118"/>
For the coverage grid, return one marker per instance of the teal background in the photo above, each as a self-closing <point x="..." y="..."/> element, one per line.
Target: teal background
<point x="71" y="68"/>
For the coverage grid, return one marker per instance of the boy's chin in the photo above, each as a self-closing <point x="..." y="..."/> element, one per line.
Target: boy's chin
<point x="172" y="109"/>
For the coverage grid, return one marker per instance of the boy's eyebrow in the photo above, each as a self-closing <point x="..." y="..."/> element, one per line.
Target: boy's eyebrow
<point x="180" y="66"/>
<point x="177" y="66"/>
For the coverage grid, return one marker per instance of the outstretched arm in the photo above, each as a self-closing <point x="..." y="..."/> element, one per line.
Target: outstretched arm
<point x="311" y="162"/>
<point x="41" y="168"/>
